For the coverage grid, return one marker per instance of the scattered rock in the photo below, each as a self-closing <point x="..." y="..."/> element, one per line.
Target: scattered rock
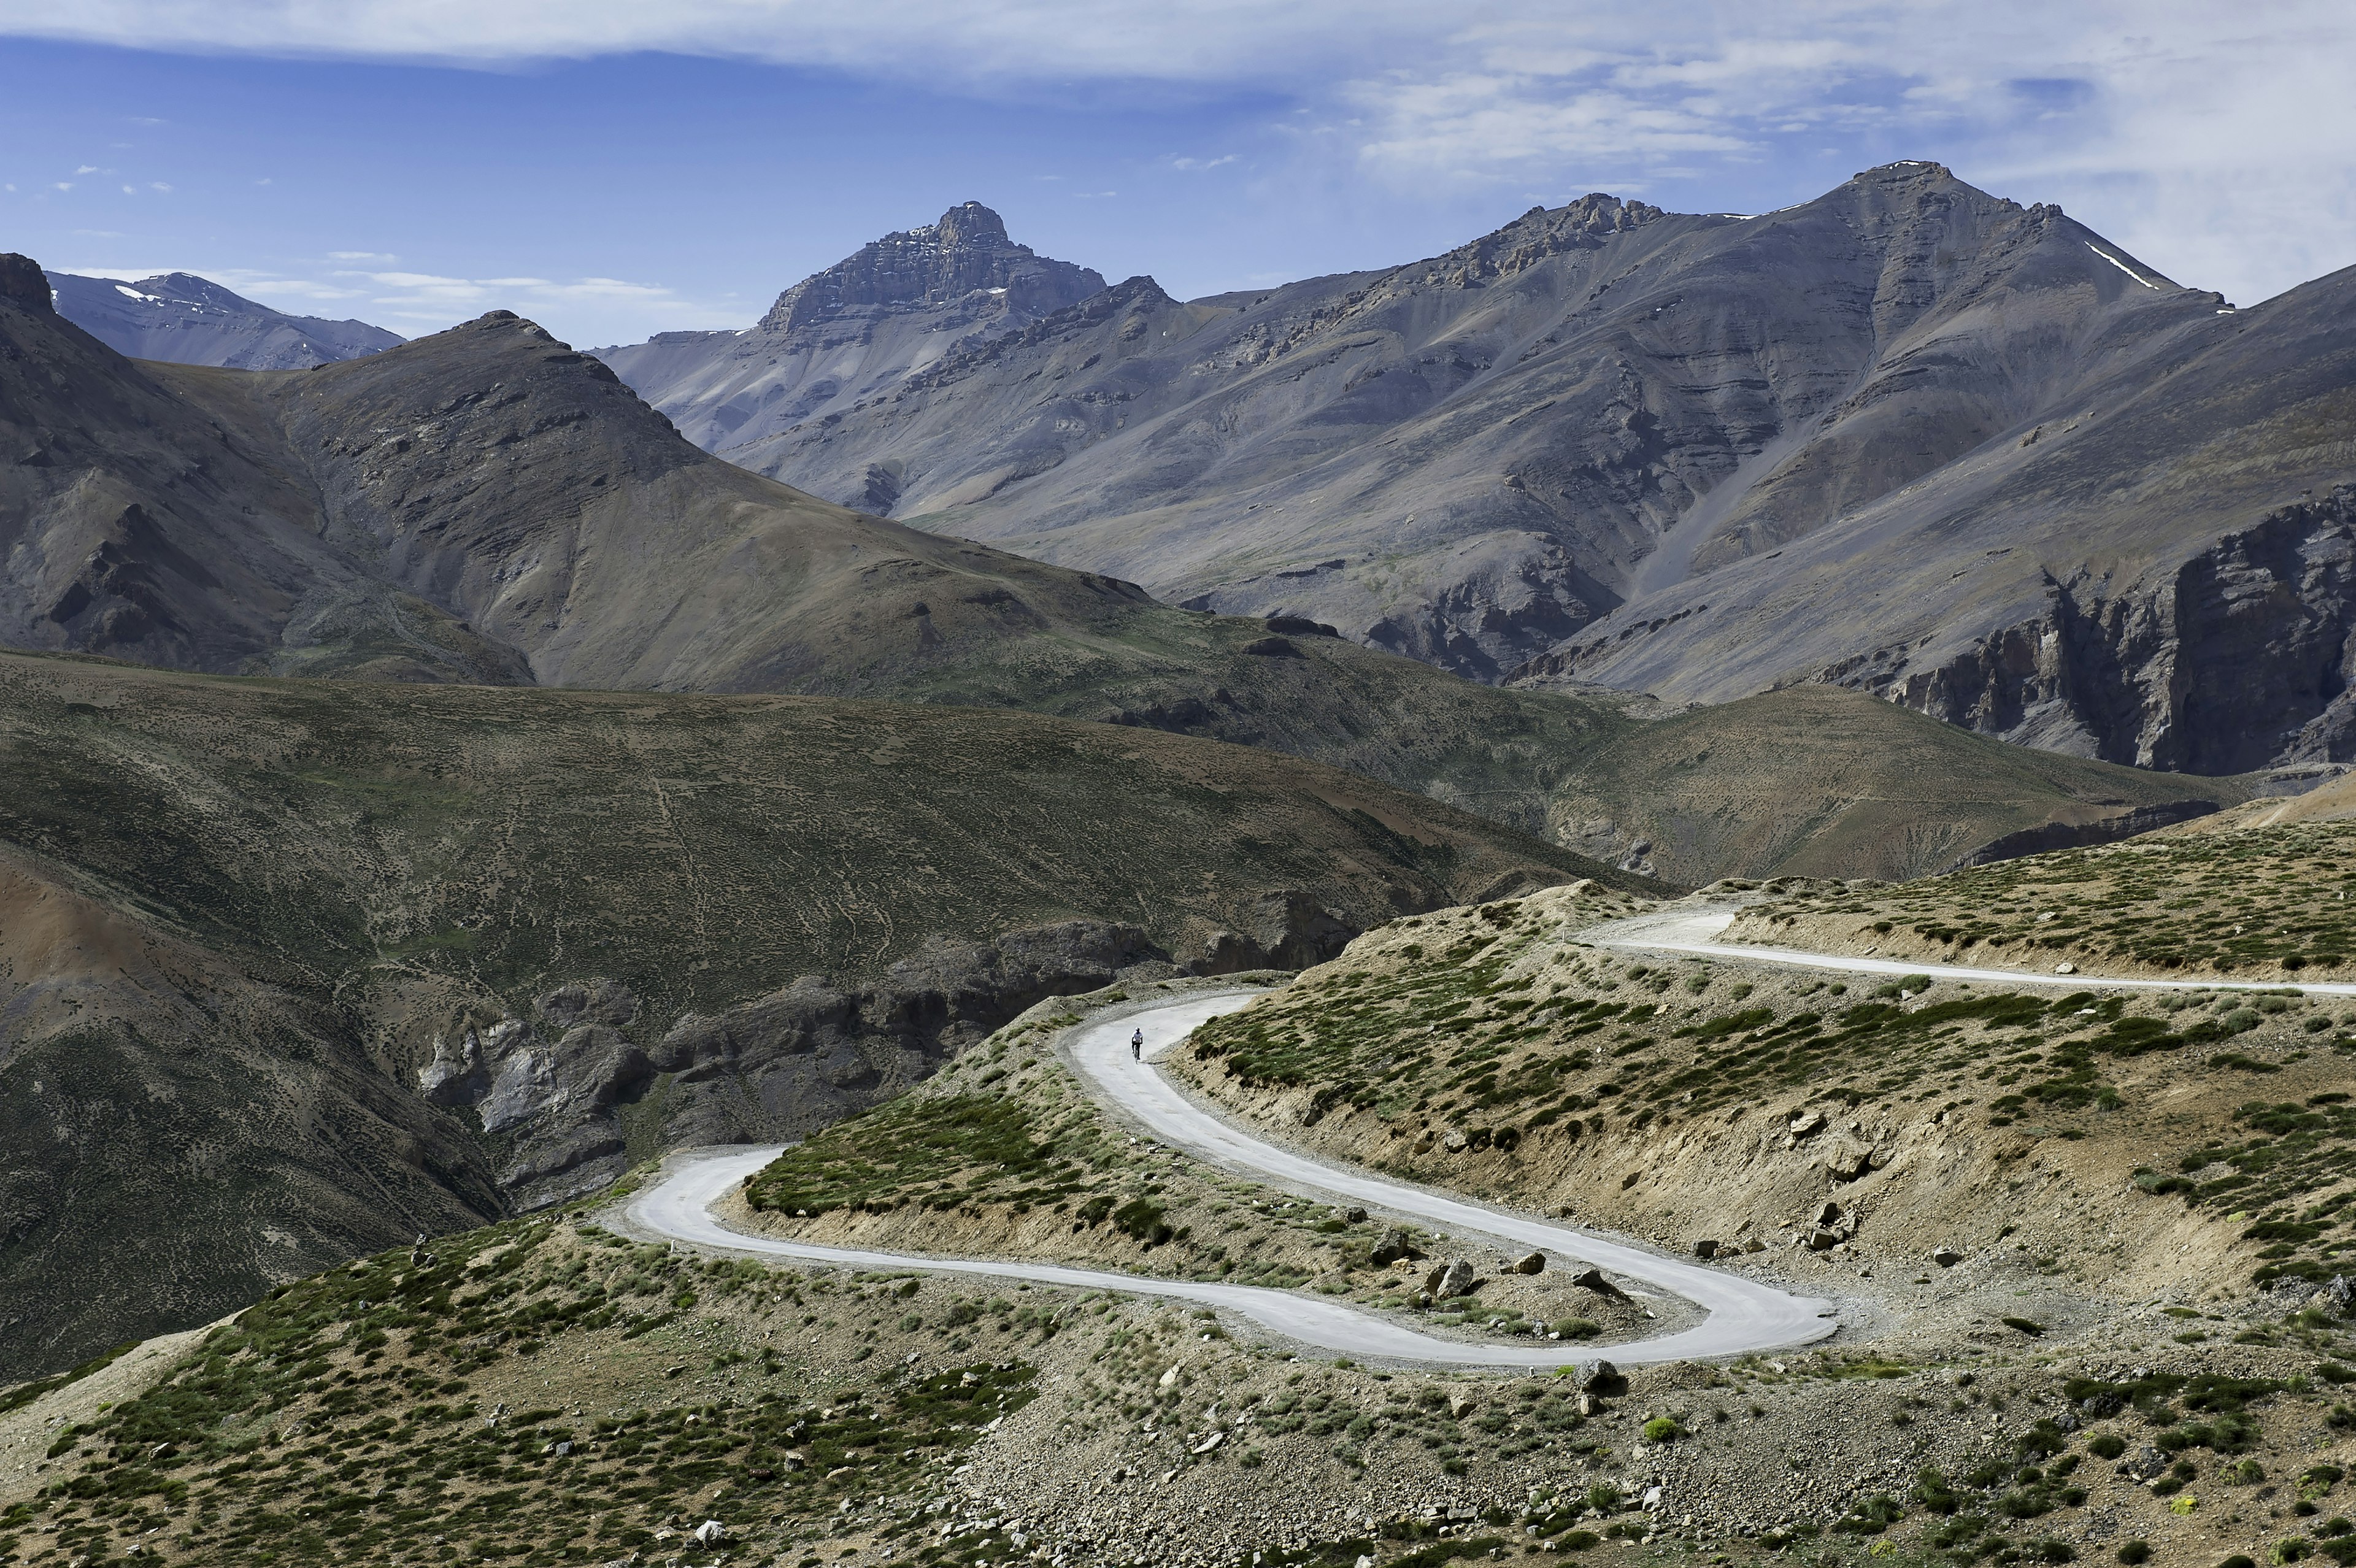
<point x="710" y="1533"/>
<point x="1807" y="1122"/>
<point x="1353" y="1216"/>
<point x="1602" y="1379"/>
<point x="1706" y="1250"/>
<point x="1394" y="1246"/>
<point x="1590" y="1279"/>
<point x="1533" y="1263"/>
<point x="1461" y="1405"/>
<point x="1455" y="1143"/>
<point x="1846" y="1157"/>
<point x="2065" y="968"/>
<point x="2338" y="1294"/>
<point x="1455" y="1279"/>
<point x="1946" y="1256"/>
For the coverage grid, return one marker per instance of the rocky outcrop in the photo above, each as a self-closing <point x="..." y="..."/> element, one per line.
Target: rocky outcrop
<point x="1291" y="931"/>
<point x="2078" y="835"/>
<point x="968" y="251"/>
<point x="2241" y="656"/>
<point x="570" y="1095"/>
<point x="23" y="284"/>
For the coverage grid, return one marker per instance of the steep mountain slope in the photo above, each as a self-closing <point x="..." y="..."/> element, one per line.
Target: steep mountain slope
<point x="1812" y="781"/>
<point x="1469" y="458"/>
<point x="485" y="506"/>
<point x="140" y="524"/>
<point x="898" y="305"/>
<point x="292" y="968"/>
<point x="1908" y="436"/>
<point x="189" y="320"/>
<point x="2160" y="576"/>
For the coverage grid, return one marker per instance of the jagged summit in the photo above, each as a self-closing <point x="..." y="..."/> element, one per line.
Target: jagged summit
<point x="852" y="333"/>
<point x="968" y="249"/>
<point x="1906" y="169"/>
<point x="23" y="285"/>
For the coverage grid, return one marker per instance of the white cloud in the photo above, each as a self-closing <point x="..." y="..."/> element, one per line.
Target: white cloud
<point x="360" y="256"/>
<point x="2214" y="141"/>
<point x="89" y="169"/>
<point x="159" y="185"/>
<point x="1200" y="165"/>
<point x="431" y="295"/>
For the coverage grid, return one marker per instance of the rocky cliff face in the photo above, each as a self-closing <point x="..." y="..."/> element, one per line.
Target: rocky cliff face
<point x="2160" y="575"/>
<point x="2241" y="655"/>
<point x="188" y="320"/>
<point x="844" y="336"/>
<point x="571" y="1095"/>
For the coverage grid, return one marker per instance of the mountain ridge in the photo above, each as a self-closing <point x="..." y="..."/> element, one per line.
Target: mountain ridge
<point x="1514" y="459"/>
<point x="1556" y="479"/>
<point x="487" y="505"/>
<point x="184" y="319"/>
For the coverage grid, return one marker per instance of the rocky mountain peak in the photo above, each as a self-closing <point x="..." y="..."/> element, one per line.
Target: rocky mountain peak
<point x="1540" y="233"/>
<point x="969" y="223"/>
<point x="24" y="284"/>
<point x="965" y="251"/>
<point x="187" y="288"/>
<point x="1905" y="171"/>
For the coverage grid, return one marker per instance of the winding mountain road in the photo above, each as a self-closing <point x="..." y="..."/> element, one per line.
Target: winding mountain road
<point x="1744" y="1315"/>
<point x="1697" y="931"/>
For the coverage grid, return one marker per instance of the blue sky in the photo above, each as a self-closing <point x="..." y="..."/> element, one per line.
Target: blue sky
<point x="615" y="169"/>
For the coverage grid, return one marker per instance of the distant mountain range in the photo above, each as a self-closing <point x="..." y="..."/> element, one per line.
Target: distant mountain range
<point x="901" y="305"/>
<point x="183" y="319"/>
<point x="1908" y="437"/>
<point x="487" y="505"/>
